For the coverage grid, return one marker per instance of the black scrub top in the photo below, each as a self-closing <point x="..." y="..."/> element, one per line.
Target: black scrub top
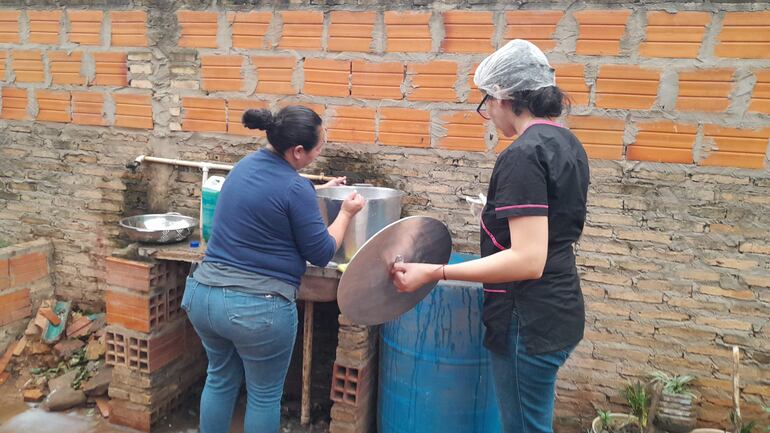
<point x="543" y="173"/>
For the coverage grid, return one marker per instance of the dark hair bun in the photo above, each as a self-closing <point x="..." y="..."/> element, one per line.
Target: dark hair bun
<point x="261" y="119"/>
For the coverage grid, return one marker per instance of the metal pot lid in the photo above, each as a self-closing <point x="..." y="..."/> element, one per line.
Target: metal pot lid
<point x="366" y="293"/>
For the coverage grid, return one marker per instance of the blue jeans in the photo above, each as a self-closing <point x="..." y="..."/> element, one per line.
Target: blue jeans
<point x="525" y="385"/>
<point x="246" y="336"/>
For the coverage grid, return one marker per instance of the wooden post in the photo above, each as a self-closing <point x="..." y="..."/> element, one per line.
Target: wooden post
<point x="307" y="363"/>
<point x="738" y="422"/>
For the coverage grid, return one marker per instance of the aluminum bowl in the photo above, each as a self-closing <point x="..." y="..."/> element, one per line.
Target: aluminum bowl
<point x="158" y="228"/>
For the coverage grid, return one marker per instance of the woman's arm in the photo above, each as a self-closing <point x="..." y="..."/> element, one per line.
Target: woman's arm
<point x="337" y="181"/>
<point x="353" y="203"/>
<point x="525" y="260"/>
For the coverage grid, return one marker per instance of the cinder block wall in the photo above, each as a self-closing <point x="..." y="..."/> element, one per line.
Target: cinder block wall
<point x="671" y="100"/>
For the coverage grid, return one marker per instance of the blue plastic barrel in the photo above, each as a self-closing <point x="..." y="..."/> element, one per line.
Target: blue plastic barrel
<point x="435" y="375"/>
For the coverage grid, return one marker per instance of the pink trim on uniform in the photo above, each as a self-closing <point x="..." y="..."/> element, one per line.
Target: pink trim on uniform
<point x="522" y="206"/>
<point x="495" y="291"/>
<point x="494" y="241"/>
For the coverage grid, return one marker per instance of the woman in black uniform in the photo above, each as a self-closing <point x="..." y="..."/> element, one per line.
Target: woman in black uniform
<point x="535" y="211"/>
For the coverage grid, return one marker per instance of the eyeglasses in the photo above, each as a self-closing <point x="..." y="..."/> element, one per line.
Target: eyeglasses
<point x="482" y="109"/>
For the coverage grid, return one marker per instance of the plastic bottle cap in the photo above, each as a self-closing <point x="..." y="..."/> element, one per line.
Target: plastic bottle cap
<point x="194" y="244"/>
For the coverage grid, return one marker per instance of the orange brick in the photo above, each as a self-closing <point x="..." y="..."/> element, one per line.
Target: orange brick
<point x="198" y="29"/>
<point x="571" y="79"/>
<point x="602" y="138"/>
<point x="674" y="35"/>
<point x="204" y="115"/>
<point x="65" y="68"/>
<point x="475" y="96"/>
<point x="663" y="142"/>
<point x="745" y="35"/>
<point x="302" y="30"/>
<point x="133" y="110"/>
<point x="729" y="147"/>
<point x="27" y="268"/>
<point x="125" y="413"/>
<point x="249" y="28"/>
<point x="111" y="69"/>
<point x="85" y="27"/>
<point x="537" y="27"/>
<point x="9" y="27"/>
<point x="143" y="312"/>
<point x="434" y="81"/>
<point x="274" y="75"/>
<point x="705" y="90"/>
<point x="28" y="66"/>
<point x="407" y="32"/>
<point x="628" y="87"/>
<point x="316" y="108"/>
<point x="325" y="77"/>
<point x="404" y="127"/>
<point x="600" y="31"/>
<point x="351" y="31"/>
<point x="464" y="131"/>
<point x="14" y="104"/>
<point x="377" y="80"/>
<point x="143" y="276"/>
<point x="5" y="276"/>
<point x="468" y="32"/>
<point x="128" y="310"/>
<point x="14" y="306"/>
<point x="351" y="125"/>
<point x="760" y="100"/>
<point x="53" y="106"/>
<point x="235" y="109"/>
<point x="502" y="141"/>
<point x="44" y="27"/>
<point x="87" y="108"/>
<point x="129" y="28"/>
<point x="221" y="73"/>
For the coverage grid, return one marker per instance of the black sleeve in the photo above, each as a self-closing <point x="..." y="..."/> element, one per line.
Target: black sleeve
<point x="521" y="184"/>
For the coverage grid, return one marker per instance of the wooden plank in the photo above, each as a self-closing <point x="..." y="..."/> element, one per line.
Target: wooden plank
<point x="307" y="363"/>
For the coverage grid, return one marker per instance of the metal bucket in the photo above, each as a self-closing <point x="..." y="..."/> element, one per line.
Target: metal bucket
<point x="383" y="206"/>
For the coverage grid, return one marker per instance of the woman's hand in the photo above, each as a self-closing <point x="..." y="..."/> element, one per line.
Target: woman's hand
<point x="337" y="181"/>
<point x="409" y="277"/>
<point x="353" y="204"/>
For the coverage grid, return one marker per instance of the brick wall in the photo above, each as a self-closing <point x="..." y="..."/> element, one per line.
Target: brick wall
<point x="25" y="280"/>
<point x="670" y="100"/>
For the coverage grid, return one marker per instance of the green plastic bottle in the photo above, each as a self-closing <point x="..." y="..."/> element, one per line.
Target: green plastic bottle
<point x="209" y="195"/>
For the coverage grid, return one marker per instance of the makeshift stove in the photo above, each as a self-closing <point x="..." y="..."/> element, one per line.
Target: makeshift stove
<point x="159" y="361"/>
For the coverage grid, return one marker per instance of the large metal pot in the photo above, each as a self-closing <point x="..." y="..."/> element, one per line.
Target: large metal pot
<point x="383" y="206"/>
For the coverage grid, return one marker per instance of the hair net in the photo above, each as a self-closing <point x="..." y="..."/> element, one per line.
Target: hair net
<point x="519" y="65"/>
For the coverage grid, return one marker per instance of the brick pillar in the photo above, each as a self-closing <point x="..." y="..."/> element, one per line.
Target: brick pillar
<point x="354" y="379"/>
<point x="25" y="280"/>
<point x="156" y="355"/>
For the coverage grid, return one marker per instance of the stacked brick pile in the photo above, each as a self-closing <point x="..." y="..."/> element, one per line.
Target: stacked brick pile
<point x="354" y="379"/>
<point x="157" y="356"/>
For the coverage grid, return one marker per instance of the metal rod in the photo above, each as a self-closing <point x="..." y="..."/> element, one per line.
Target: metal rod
<point x="212" y="166"/>
<point x="307" y="363"/>
<point x="200" y="220"/>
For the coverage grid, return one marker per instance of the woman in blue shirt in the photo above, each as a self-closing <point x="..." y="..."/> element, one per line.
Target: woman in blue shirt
<point x="240" y="300"/>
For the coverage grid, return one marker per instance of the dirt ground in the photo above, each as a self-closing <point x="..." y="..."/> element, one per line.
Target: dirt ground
<point x="19" y="417"/>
